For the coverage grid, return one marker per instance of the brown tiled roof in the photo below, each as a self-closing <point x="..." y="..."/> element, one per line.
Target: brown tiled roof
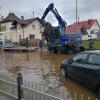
<point x="12" y="17"/>
<point x="28" y="21"/>
<point x="74" y="28"/>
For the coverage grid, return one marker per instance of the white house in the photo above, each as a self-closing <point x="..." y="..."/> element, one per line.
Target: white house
<point x="91" y="27"/>
<point x="16" y="28"/>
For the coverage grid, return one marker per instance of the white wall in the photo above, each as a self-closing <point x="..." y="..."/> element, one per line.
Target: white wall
<point x="87" y="37"/>
<point x="10" y="33"/>
<point x="14" y="34"/>
<point x="94" y="28"/>
<point x="8" y="26"/>
<point x="33" y="28"/>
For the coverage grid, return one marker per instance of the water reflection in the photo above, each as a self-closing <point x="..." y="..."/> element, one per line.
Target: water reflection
<point x="14" y="70"/>
<point x="38" y="66"/>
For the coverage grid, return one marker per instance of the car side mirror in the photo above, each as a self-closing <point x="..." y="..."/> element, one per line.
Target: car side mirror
<point x="70" y="61"/>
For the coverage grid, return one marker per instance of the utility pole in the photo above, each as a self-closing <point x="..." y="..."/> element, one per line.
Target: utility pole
<point x="33" y="14"/>
<point x="0" y="13"/>
<point x="76" y="11"/>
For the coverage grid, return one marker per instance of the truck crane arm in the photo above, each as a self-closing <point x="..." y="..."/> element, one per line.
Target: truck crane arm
<point x="47" y="11"/>
<point x="62" y="23"/>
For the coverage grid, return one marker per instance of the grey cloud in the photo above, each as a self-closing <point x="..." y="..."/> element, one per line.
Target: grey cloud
<point x="66" y="8"/>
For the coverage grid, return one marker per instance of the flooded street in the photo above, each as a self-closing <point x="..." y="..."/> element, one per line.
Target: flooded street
<point x="37" y="66"/>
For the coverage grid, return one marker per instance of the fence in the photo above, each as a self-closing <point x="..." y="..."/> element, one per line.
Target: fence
<point x="10" y="89"/>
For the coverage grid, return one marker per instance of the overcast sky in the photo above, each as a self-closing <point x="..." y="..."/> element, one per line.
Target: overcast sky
<point x="87" y="9"/>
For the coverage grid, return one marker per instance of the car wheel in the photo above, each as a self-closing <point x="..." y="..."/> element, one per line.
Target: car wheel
<point x="63" y="72"/>
<point x="53" y="50"/>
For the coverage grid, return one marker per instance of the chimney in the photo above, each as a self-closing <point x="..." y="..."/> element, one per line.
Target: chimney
<point x="89" y="21"/>
<point x="22" y="17"/>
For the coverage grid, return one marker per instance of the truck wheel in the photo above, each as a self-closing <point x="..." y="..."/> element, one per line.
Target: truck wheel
<point x="55" y="51"/>
<point x="59" y="51"/>
<point x="52" y="51"/>
<point x="70" y="52"/>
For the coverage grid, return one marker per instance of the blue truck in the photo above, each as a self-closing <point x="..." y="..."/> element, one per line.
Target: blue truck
<point x="67" y="43"/>
<point x="70" y="43"/>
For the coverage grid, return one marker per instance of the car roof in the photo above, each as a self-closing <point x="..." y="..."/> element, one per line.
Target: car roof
<point x="92" y="51"/>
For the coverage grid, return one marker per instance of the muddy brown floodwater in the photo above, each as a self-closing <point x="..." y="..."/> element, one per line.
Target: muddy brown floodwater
<point x="33" y="64"/>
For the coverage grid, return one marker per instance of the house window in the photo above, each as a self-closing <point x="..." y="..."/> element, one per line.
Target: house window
<point x="5" y="37"/>
<point x="91" y="32"/>
<point x="3" y="28"/>
<point x="33" y="26"/>
<point x="89" y="35"/>
<point x="31" y="36"/>
<point x="19" y="36"/>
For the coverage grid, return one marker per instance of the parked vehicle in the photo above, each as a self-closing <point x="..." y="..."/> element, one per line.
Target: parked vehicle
<point x="5" y="43"/>
<point x="85" y="68"/>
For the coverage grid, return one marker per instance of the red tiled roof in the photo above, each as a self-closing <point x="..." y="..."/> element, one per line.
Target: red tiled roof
<point x="77" y="26"/>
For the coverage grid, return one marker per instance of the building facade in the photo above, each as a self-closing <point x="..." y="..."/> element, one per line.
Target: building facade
<point x="15" y="28"/>
<point x="90" y="26"/>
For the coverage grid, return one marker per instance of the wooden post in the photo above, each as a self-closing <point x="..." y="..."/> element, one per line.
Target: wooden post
<point x="19" y="86"/>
